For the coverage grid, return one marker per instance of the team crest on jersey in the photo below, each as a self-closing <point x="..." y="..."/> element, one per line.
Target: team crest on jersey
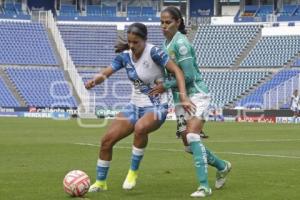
<point x="183" y="50"/>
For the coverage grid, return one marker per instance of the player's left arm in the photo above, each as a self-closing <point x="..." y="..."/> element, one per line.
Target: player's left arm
<point x="188" y="72"/>
<point x="162" y="59"/>
<point x="184" y="58"/>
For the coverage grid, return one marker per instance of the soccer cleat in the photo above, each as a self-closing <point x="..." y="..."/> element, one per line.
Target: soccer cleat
<point x="130" y="180"/>
<point x="221" y="176"/>
<point x="201" y="192"/>
<point x="98" y="186"/>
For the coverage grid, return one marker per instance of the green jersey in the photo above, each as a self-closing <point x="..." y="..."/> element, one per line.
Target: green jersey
<point x="183" y="54"/>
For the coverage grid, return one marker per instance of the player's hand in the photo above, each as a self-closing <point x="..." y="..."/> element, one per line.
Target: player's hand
<point x="188" y="105"/>
<point x="90" y="84"/>
<point x="158" y="89"/>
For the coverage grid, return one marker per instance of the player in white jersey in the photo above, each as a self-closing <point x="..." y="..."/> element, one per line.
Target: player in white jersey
<point x="295" y="103"/>
<point x="145" y="64"/>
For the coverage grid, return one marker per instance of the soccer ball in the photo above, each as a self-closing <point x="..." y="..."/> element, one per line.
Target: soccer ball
<point x="76" y="183"/>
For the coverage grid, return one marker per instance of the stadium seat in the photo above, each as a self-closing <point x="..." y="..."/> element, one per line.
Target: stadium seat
<point x="45" y="86"/>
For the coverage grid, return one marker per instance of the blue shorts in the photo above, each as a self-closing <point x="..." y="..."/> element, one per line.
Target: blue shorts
<point x="134" y="113"/>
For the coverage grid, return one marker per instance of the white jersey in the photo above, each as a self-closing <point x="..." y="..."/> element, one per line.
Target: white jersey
<point x="144" y="73"/>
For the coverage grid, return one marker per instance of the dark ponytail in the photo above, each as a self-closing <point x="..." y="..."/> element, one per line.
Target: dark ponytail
<point x="121" y="46"/>
<point x="138" y="29"/>
<point x="176" y="14"/>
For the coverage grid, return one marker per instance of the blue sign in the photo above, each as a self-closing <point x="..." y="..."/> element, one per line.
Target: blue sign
<point x="203" y="8"/>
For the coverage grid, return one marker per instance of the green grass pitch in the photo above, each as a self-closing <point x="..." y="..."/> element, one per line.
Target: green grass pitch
<point x="37" y="153"/>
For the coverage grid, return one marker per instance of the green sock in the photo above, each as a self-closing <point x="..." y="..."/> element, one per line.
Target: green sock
<point x="200" y="159"/>
<point x="214" y="161"/>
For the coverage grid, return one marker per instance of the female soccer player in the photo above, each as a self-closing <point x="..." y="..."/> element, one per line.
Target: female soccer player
<point x="145" y="64"/>
<point x="182" y="52"/>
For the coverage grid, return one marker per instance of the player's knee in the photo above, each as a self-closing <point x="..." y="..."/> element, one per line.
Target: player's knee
<point x="107" y="143"/>
<point x="192" y="137"/>
<point x="140" y="129"/>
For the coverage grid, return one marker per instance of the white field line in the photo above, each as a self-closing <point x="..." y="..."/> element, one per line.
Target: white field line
<point x="226" y="141"/>
<point x="181" y="150"/>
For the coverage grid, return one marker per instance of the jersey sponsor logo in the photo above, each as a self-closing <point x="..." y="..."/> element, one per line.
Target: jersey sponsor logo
<point x="183" y="50"/>
<point x="137" y="83"/>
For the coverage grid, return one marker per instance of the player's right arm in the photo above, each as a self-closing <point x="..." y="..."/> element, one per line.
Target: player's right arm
<point x="99" y="78"/>
<point x="116" y="65"/>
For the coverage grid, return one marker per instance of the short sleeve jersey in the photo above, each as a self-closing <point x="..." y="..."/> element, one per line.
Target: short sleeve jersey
<point x="179" y="50"/>
<point x="146" y="71"/>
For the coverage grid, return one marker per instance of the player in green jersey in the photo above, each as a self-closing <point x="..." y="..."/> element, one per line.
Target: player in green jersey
<point x="182" y="52"/>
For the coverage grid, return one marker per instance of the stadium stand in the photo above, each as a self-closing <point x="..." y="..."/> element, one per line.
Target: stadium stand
<point x="89" y="45"/>
<point x="114" y="92"/>
<point x="134" y="11"/>
<point x="68" y="10"/>
<point x="13" y="10"/>
<point x="255" y="99"/>
<point x="109" y="11"/>
<point x="25" y="43"/>
<point x="220" y="45"/>
<point x="45" y="86"/>
<point x="273" y="51"/>
<point x="288" y="10"/>
<point x="148" y="12"/>
<point x="227" y="85"/>
<point x="264" y="10"/>
<point x="297" y="12"/>
<point x="94" y="10"/>
<point x="6" y="98"/>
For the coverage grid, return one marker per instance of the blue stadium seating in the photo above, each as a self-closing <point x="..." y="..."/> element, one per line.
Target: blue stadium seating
<point x="220" y="45"/>
<point x="25" y="43"/>
<point x="114" y="92"/>
<point x="288" y="10"/>
<point x="42" y="86"/>
<point x="227" y="85"/>
<point x="6" y="98"/>
<point x="90" y="45"/>
<point x="264" y="10"/>
<point x="273" y="51"/>
<point x="255" y="100"/>
<point x="68" y="10"/>
<point x="297" y="12"/>
<point x="134" y="11"/>
<point x="94" y="10"/>
<point x="109" y="11"/>
<point x="148" y="12"/>
<point x="9" y="8"/>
